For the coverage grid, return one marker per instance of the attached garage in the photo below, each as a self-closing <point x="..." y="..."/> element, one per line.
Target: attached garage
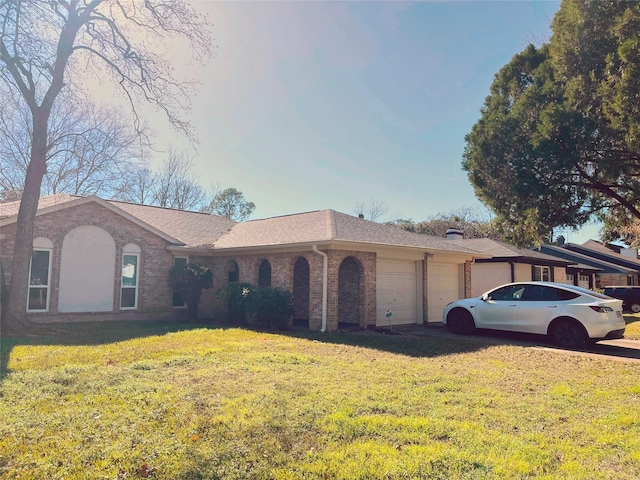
<point x="398" y="288"/>
<point x="444" y="286"/>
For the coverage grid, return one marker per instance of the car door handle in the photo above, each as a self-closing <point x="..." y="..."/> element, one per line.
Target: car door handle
<point x="552" y="306"/>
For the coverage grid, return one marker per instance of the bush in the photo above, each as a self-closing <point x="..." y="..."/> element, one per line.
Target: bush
<point x="269" y="305"/>
<point x="275" y="306"/>
<point x="235" y="297"/>
<point x="188" y="280"/>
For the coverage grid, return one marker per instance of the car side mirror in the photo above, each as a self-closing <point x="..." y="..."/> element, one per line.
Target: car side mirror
<point x="485" y="297"/>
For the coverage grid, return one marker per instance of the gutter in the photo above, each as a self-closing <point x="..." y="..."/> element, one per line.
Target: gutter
<point x="325" y="281"/>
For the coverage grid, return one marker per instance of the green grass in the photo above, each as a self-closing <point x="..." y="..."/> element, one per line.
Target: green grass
<point x="633" y="326"/>
<point x="168" y="401"/>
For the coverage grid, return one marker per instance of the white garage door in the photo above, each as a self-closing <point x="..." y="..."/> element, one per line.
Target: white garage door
<point x="443" y="287"/>
<point x="397" y="289"/>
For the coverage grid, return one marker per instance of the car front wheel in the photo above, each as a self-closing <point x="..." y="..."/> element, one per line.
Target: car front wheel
<point x="568" y="334"/>
<point x="635" y="307"/>
<point x="460" y="321"/>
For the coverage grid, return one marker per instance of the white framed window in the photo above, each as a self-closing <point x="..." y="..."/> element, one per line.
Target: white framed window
<point x="584" y="278"/>
<point x="130" y="277"/>
<point x="178" y="302"/>
<point x="570" y="278"/>
<point x="541" y="274"/>
<point x="40" y="275"/>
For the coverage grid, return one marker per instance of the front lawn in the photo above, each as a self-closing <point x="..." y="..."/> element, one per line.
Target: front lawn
<point x="633" y="326"/>
<point x="189" y="402"/>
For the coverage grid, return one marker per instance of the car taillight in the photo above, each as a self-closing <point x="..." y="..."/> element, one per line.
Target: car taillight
<point x="600" y="309"/>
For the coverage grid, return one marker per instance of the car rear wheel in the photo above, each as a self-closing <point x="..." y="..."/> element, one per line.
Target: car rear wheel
<point x="568" y="334"/>
<point x="635" y="307"/>
<point x="460" y="321"/>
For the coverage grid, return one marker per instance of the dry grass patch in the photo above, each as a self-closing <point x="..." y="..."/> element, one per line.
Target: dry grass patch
<point x="231" y="403"/>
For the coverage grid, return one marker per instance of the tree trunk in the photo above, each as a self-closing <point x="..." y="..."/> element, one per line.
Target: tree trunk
<point x="15" y="318"/>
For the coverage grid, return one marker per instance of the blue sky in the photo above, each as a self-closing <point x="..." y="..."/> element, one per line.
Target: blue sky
<point x="314" y="105"/>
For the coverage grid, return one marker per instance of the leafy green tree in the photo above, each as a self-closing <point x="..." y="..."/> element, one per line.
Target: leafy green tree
<point x="231" y="203"/>
<point x="557" y="143"/>
<point x="188" y="280"/>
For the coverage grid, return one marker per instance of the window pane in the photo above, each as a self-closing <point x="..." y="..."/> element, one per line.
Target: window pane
<point x="177" y="300"/>
<point x="39" y="268"/>
<point x="180" y="261"/>
<point x="37" y="298"/>
<point x="511" y="292"/>
<point x="129" y="270"/>
<point x="128" y="298"/>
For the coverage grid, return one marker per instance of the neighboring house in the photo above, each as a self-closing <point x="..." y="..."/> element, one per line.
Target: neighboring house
<point x="625" y="270"/>
<point x="106" y="260"/>
<point x="507" y="263"/>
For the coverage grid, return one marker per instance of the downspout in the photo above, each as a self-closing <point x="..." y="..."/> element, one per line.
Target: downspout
<point x="513" y="272"/>
<point x="325" y="281"/>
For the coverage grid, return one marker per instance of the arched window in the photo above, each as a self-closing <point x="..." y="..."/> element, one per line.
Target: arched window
<point x="40" y="275"/>
<point x="264" y="274"/>
<point x="233" y="271"/>
<point x="130" y="273"/>
<point x="301" y="292"/>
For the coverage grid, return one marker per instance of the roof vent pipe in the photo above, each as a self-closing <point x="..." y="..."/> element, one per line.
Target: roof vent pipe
<point x="454" y="234"/>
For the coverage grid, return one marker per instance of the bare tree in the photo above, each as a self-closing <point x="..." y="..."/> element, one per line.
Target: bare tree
<point x="137" y="186"/>
<point x="47" y="47"/>
<point x="371" y="210"/>
<point x="89" y="148"/>
<point x="176" y="186"/>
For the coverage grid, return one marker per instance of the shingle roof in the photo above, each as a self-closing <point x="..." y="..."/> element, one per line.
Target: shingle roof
<point x="326" y="226"/>
<point x="10" y="209"/>
<point x="196" y="229"/>
<point x="192" y="228"/>
<point x="574" y="257"/>
<point x="604" y="255"/>
<point x="499" y="249"/>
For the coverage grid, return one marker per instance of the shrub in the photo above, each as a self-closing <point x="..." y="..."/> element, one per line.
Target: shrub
<point x="275" y="306"/>
<point x="235" y="297"/>
<point x="188" y="280"/>
<point x="269" y="305"/>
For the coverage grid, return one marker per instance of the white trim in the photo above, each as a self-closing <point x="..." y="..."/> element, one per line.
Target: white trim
<point x="46" y="287"/>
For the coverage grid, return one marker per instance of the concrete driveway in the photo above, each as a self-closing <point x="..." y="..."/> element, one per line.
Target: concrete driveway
<point x="621" y="350"/>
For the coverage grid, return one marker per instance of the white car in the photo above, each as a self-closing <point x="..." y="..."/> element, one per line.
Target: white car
<point x="569" y="315"/>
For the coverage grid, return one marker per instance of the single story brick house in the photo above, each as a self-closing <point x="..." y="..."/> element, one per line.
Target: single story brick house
<point x="108" y="260"/>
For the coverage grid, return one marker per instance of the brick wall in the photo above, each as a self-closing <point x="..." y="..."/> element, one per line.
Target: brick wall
<point x="606" y="279"/>
<point x="154" y="295"/>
